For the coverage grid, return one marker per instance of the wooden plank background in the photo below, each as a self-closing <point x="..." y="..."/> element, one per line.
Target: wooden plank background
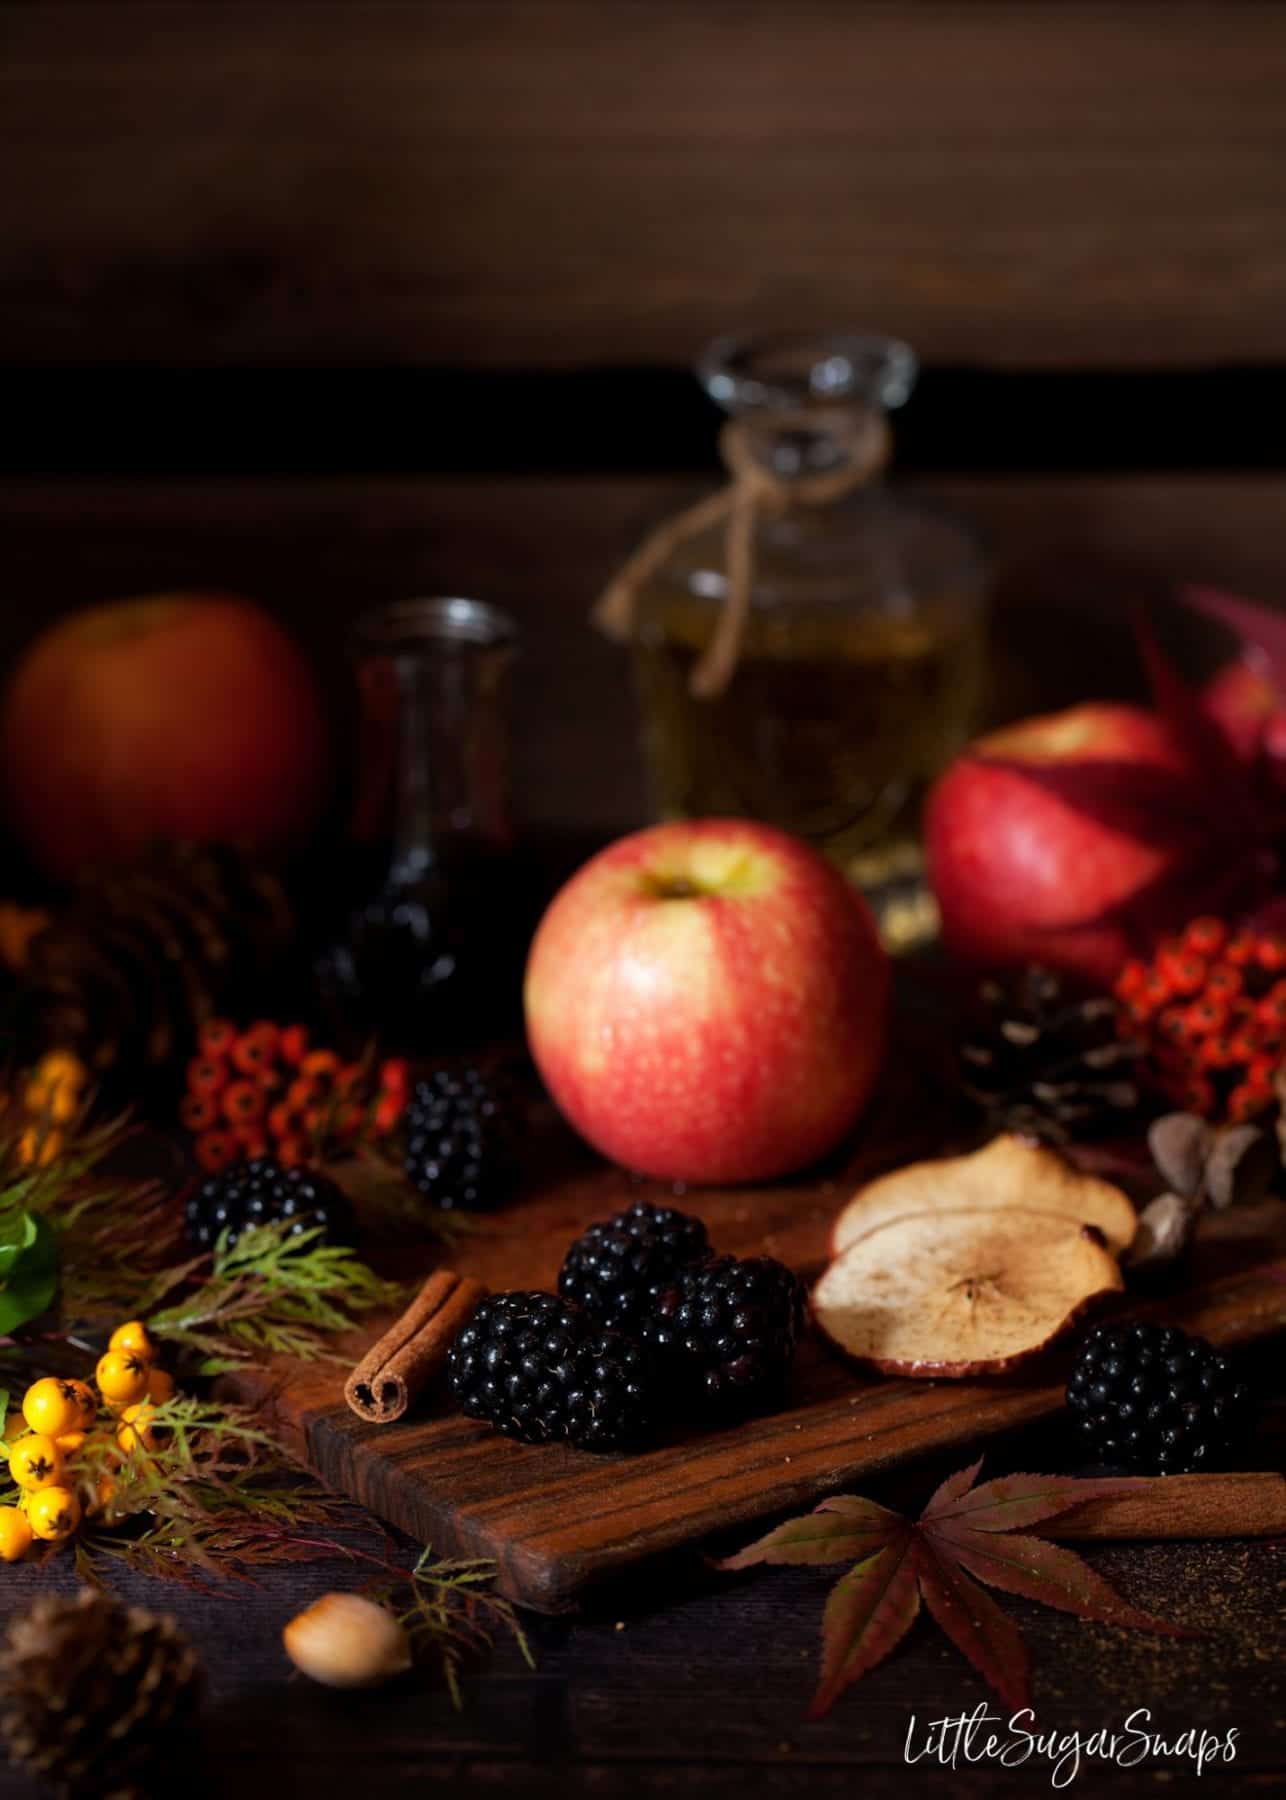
<point x="562" y="182"/>
<point x="548" y="185"/>
<point x="1072" y="553"/>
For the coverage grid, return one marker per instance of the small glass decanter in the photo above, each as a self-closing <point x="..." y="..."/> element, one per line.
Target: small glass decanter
<point x="858" y="669"/>
<point x="430" y="957"/>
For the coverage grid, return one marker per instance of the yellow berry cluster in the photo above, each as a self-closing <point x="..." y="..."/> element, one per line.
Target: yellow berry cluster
<point x="60" y="1417"/>
<point x="54" y="1095"/>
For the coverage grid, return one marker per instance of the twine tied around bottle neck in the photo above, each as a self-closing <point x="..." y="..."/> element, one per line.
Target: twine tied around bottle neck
<point x="753" y="490"/>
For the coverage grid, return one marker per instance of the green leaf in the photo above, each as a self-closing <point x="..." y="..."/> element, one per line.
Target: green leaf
<point x="17" y="1235"/>
<point x="268" y="1294"/>
<point x="840" y="1530"/>
<point x="867" y="1615"/>
<point x="31" y="1282"/>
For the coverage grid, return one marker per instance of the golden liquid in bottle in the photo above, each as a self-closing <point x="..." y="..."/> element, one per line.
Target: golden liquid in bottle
<point x="832" y="726"/>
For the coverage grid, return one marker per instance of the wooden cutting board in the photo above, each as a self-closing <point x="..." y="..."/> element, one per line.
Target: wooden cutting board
<point x="559" y="1521"/>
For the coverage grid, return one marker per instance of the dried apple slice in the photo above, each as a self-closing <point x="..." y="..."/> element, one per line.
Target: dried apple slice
<point x="961" y="1292"/>
<point x="1008" y="1172"/>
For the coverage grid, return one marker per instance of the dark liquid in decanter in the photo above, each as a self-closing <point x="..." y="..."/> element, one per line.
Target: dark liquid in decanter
<point x="431" y="960"/>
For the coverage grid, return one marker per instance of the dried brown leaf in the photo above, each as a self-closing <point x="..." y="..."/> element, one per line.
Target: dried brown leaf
<point x="974" y="1623"/>
<point x="1013" y="1501"/>
<point x="1037" y="1570"/>
<point x="867" y="1615"/>
<point x="964" y="1532"/>
<point x="838" y="1531"/>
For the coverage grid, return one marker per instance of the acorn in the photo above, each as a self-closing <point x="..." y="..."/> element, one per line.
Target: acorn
<point x="347" y="1641"/>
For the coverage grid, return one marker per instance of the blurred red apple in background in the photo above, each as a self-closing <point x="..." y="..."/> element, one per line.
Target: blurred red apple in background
<point x="708" y="1002"/>
<point x="180" y="716"/>
<point x="1044" y="838"/>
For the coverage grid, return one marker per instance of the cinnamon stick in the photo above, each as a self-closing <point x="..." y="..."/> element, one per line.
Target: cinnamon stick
<point x="1182" y="1506"/>
<point x="395" y="1369"/>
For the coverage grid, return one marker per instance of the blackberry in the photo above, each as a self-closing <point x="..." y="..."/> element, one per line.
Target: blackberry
<point x="617" y="1268"/>
<point x="727" y="1329"/>
<point x="1151" y="1398"/>
<point x="459" y="1151"/>
<point x="540" y="1371"/>
<point x="259" y="1192"/>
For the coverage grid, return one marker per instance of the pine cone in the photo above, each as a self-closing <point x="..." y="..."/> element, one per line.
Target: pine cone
<point x="142" y="956"/>
<point x="94" y="1694"/>
<point x="1048" y="1065"/>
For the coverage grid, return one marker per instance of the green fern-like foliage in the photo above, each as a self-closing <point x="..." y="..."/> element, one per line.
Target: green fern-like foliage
<point x="269" y="1293"/>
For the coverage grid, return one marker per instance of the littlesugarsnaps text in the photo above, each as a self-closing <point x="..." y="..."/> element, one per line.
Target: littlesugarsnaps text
<point x="983" y="1736"/>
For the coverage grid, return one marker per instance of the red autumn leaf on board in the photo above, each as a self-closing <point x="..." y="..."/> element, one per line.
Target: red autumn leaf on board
<point x="966" y="1534"/>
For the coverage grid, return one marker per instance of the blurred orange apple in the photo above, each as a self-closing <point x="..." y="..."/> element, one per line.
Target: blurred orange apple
<point x="181" y="715"/>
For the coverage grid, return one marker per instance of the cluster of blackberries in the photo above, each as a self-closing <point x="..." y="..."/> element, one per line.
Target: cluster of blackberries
<point x="260" y="1193"/>
<point x="1151" y="1398"/>
<point x="648" y="1323"/>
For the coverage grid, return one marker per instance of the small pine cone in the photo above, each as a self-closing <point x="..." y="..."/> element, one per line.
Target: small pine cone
<point x="95" y="1694"/>
<point x="1048" y="1064"/>
<point x="143" y="955"/>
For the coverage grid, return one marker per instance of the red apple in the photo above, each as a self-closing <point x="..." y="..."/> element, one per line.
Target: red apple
<point x="708" y="1002"/>
<point x="181" y="716"/>
<point x="1022" y="873"/>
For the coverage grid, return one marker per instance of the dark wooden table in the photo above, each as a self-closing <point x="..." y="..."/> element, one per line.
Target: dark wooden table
<point x="698" y="1685"/>
<point x="692" y="1684"/>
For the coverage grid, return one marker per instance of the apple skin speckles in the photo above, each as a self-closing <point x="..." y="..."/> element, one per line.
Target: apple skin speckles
<point x="708" y="1002"/>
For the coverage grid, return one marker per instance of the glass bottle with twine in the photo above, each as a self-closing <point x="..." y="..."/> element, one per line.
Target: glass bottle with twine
<point x="808" y="646"/>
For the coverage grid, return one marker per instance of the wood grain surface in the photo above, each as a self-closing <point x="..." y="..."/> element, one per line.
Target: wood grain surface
<point x="562" y="182"/>
<point x="561" y="1522"/>
<point x="692" y="1684"/>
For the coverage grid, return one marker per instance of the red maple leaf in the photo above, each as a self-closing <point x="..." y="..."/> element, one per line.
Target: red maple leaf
<point x="964" y="1536"/>
<point x="1220" y="817"/>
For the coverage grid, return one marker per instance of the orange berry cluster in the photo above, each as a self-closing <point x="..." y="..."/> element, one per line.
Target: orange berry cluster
<point x="1210" y="1011"/>
<point x="265" y="1091"/>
